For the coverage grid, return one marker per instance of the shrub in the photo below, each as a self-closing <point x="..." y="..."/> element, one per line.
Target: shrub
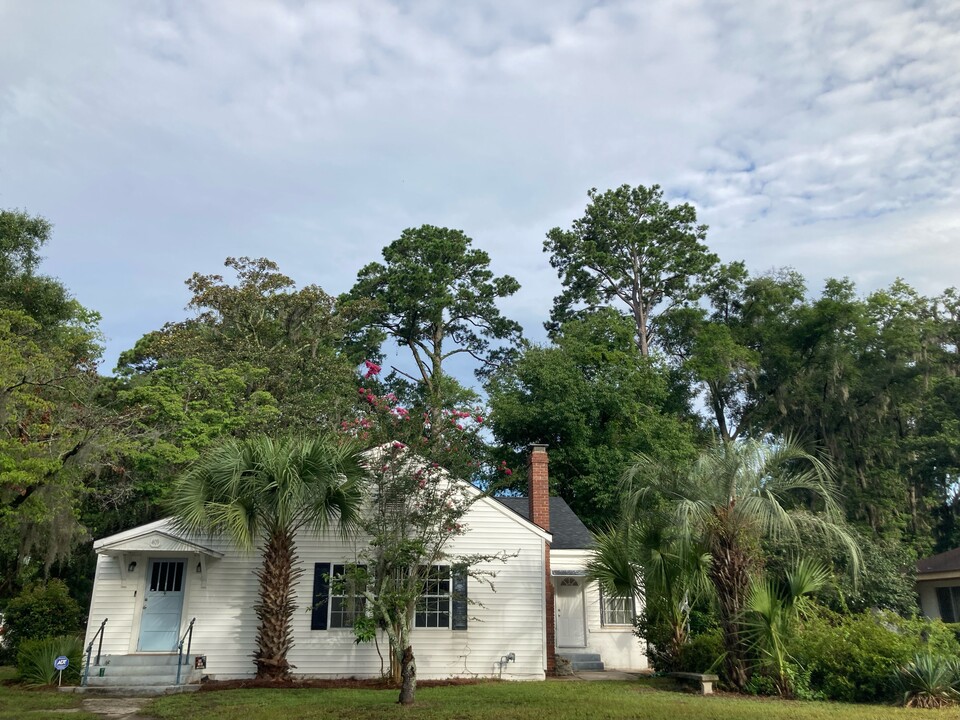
<point x="703" y="647"/>
<point x="702" y="653"/>
<point x="854" y="658"/>
<point x="930" y="681"/>
<point x="35" y="659"/>
<point x="40" y="611"/>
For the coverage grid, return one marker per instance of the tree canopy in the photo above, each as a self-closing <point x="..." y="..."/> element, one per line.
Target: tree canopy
<point x="435" y="296"/>
<point x="634" y="249"/>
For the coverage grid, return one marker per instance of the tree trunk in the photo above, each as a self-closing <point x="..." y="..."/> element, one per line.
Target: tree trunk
<point x="275" y="607"/>
<point x="408" y="672"/>
<point x="730" y="574"/>
<point x="395" y="669"/>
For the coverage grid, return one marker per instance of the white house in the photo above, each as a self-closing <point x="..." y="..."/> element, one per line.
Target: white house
<point x="152" y="583"/>
<point x="938" y="585"/>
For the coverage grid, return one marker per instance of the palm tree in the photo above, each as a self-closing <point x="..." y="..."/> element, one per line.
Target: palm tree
<point x="772" y="609"/>
<point x="734" y="495"/>
<point x="646" y="556"/>
<point x="261" y="491"/>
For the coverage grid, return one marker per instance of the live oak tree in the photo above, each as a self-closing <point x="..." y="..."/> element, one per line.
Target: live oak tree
<point x="291" y="339"/>
<point x="435" y="296"/>
<point x="630" y="249"/>
<point x="745" y="349"/>
<point x="595" y="400"/>
<point x="258" y="356"/>
<point x="55" y="434"/>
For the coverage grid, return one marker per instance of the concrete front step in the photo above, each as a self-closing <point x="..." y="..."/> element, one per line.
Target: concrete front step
<point x="145" y="659"/>
<point x="113" y="669"/>
<point x="141" y="670"/>
<point x="140" y="680"/>
<point x="584" y="662"/>
<point x="132" y="690"/>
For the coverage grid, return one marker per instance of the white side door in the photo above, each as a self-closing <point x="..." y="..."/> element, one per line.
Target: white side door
<point x="571" y="629"/>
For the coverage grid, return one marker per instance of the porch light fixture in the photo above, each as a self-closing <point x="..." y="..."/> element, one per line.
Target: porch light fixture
<point x="200" y="567"/>
<point x="132" y="566"/>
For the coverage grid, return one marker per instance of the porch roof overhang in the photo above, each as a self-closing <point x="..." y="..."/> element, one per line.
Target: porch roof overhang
<point x="565" y="572"/>
<point x="154" y="541"/>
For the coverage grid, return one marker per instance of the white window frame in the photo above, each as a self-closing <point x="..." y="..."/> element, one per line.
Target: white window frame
<point x="438" y="603"/>
<point x="617" y="607"/>
<point x="341" y="617"/>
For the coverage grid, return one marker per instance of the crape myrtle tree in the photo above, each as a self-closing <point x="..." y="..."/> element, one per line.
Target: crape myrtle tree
<point x="417" y="494"/>
<point x="435" y="296"/>
<point x="260" y="492"/>
<point x="631" y="250"/>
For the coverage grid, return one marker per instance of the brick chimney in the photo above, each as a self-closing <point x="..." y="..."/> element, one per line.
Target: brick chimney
<point x="538" y="486"/>
<point x="538" y="495"/>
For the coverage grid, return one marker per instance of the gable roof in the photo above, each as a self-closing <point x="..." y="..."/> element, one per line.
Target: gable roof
<point x="159" y="536"/>
<point x="948" y="561"/>
<point x="569" y="533"/>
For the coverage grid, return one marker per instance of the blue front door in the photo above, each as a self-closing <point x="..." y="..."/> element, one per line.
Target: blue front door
<point x="162" y="605"/>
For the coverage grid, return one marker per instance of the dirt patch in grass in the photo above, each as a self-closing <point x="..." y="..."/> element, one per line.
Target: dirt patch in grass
<point x="338" y="684"/>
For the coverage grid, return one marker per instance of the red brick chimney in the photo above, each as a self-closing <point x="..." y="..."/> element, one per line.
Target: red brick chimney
<point x="538" y="495"/>
<point x="538" y="486"/>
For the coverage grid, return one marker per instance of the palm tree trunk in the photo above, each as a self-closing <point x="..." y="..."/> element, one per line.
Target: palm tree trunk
<point x="275" y="608"/>
<point x="730" y="571"/>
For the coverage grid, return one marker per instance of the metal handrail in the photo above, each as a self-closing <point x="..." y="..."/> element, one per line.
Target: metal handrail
<point x="188" y="636"/>
<point x="86" y="669"/>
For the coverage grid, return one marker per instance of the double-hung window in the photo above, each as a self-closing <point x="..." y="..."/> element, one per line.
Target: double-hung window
<point x="443" y="603"/>
<point x="615" y="610"/>
<point x="337" y="601"/>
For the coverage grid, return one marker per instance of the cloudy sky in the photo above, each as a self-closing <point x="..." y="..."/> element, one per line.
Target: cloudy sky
<point x="161" y="137"/>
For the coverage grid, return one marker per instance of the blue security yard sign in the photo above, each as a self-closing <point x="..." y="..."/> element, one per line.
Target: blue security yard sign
<point x="61" y="664"/>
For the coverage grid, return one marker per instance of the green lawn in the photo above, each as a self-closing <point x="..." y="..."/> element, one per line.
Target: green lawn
<point x="550" y="700"/>
<point x="21" y="703"/>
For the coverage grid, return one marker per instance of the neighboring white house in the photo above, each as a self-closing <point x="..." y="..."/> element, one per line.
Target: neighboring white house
<point x="151" y="581"/>
<point x="938" y="585"/>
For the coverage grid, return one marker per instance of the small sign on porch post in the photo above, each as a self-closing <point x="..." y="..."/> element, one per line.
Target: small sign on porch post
<point x="61" y="664"/>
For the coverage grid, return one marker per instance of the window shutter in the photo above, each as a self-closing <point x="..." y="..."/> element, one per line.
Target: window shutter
<point x="321" y="592"/>
<point x="459" y="620"/>
<point x="945" y="601"/>
<point x="603" y="608"/>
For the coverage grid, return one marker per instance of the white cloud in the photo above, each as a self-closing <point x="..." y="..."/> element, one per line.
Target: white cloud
<point x="162" y="136"/>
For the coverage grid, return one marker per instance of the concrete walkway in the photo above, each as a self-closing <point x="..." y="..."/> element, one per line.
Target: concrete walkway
<point x="116" y="708"/>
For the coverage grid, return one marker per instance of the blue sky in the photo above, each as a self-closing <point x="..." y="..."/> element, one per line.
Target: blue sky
<point x="161" y="137"/>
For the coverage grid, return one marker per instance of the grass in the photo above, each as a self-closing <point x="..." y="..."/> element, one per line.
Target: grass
<point x="18" y="702"/>
<point x="574" y="700"/>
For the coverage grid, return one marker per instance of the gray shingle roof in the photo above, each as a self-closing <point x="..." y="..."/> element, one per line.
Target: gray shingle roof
<point x="944" y="562"/>
<point x="568" y="532"/>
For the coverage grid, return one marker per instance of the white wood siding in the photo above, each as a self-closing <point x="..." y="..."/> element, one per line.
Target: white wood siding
<point x="617" y="646"/>
<point x="508" y="619"/>
<point x="927" y="590"/>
